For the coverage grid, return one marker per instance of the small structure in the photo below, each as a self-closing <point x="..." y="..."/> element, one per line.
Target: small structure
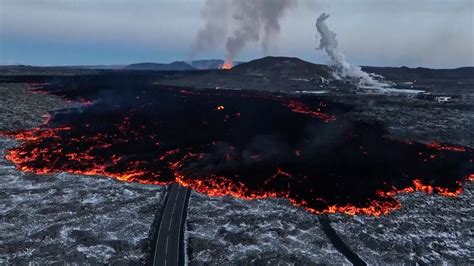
<point x="443" y="99"/>
<point x="439" y="98"/>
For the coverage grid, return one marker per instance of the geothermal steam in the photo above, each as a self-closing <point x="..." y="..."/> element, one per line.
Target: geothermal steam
<point x="328" y="42"/>
<point x="251" y="21"/>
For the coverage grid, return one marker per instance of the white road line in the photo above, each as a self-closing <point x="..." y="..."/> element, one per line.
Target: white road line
<point x="172" y="211"/>
<point x="159" y="229"/>
<point x="180" y="218"/>
<point x="184" y="190"/>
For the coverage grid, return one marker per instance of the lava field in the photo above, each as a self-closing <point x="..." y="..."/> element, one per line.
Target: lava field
<point x="244" y="144"/>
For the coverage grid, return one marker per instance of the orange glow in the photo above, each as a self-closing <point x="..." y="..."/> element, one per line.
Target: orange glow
<point x="419" y="186"/>
<point x="423" y="188"/>
<point x="228" y="63"/>
<point x="376" y="208"/>
<point x="471" y="177"/>
<point x="444" y="147"/>
<point x="299" y="107"/>
<point x="220" y="107"/>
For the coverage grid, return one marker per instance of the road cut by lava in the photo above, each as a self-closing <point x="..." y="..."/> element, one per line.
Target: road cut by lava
<point x="243" y="144"/>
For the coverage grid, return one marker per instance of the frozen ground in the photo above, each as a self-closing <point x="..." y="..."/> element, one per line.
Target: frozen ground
<point x="418" y="120"/>
<point x="223" y="230"/>
<point x="429" y="229"/>
<point x="66" y="218"/>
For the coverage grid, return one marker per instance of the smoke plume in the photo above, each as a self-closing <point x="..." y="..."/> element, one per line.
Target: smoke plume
<point x="328" y="42"/>
<point x="216" y="14"/>
<point x="251" y="21"/>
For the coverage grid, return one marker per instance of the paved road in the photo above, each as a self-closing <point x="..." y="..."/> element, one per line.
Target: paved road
<point x="337" y="241"/>
<point x="168" y="249"/>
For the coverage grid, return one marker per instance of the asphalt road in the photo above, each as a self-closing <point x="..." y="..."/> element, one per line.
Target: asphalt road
<point x="169" y="249"/>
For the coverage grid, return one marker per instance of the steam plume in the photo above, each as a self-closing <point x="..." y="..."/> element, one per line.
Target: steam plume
<point x="215" y="13"/>
<point x="328" y="42"/>
<point x="252" y="21"/>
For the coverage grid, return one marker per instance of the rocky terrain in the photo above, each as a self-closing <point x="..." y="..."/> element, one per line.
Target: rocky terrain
<point x="428" y="229"/>
<point x="413" y="119"/>
<point x="223" y="230"/>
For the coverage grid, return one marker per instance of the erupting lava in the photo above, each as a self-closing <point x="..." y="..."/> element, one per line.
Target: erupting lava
<point x="259" y="146"/>
<point x="228" y="63"/>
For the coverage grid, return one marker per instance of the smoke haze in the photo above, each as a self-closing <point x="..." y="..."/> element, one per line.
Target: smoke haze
<point x="250" y="21"/>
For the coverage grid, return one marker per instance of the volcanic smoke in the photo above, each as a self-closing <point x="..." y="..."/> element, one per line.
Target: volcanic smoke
<point x="329" y="43"/>
<point x="250" y="21"/>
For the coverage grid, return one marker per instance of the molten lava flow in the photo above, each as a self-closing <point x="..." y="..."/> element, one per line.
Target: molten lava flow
<point x="298" y="107"/>
<point x="258" y="146"/>
<point x="445" y="147"/>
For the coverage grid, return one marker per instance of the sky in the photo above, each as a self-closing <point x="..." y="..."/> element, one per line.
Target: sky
<point x="429" y="33"/>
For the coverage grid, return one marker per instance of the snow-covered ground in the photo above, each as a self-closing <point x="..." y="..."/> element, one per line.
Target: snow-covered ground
<point x="223" y="230"/>
<point x="428" y="229"/>
<point x="66" y="218"/>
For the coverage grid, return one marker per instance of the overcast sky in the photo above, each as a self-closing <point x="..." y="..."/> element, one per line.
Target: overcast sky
<point x="432" y="33"/>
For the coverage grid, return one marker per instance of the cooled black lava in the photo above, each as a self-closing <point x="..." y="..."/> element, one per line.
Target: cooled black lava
<point x="239" y="143"/>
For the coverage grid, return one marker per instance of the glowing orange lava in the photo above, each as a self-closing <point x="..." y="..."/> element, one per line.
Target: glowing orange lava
<point x="298" y="107"/>
<point x="228" y="63"/>
<point x="445" y="147"/>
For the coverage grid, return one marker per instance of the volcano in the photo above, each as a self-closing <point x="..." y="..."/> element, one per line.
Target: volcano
<point x="240" y="143"/>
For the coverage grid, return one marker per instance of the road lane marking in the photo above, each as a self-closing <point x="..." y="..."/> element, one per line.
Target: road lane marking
<point x="180" y="218"/>
<point x="172" y="211"/>
<point x="161" y="224"/>
<point x="171" y="220"/>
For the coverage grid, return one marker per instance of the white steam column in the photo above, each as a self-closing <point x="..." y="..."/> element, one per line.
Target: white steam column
<point x="328" y="42"/>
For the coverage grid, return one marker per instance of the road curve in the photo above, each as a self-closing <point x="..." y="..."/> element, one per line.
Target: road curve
<point x="169" y="249"/>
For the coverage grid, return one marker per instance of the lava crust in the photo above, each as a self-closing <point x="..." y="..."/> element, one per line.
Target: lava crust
<point x="244" y="144"/>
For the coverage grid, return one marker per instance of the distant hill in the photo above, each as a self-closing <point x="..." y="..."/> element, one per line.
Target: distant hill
<point x="282" y="67"/>
<point x="421" y="73"/>
<point x="207" y="64"/>
<point x="100" y="67"/>
<point x="175" y="66"/>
